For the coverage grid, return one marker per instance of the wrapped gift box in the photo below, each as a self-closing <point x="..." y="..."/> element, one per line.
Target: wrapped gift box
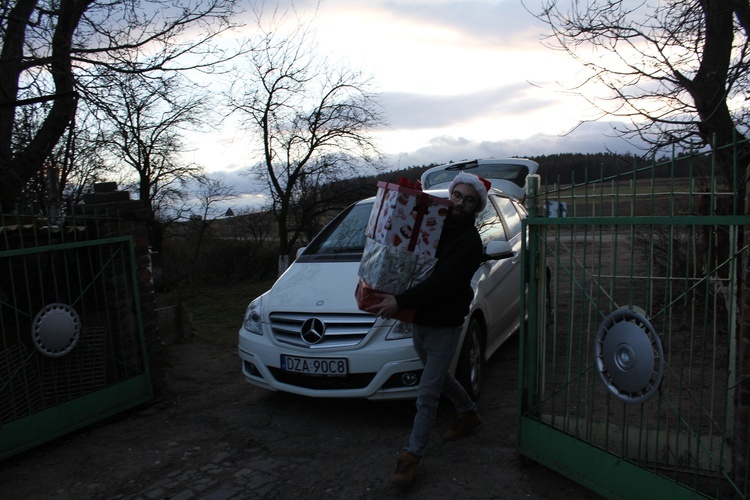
<point x="392" y="270"/>
<point x="405" y="218"/>
<point x="366" y="298"/>
<point x="403" y="233"/>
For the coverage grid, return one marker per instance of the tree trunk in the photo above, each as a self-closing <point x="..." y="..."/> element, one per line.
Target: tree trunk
<point x="709" y="88"/>
<point x="283" y="264"/>
<point x="17" y="169"/>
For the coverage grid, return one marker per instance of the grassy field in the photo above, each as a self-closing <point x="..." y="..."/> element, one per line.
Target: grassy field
<point x="646" y="197"/>
<point x="214" y="312"/>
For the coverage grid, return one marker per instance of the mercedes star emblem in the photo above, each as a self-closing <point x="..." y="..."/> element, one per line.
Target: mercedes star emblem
<point x="312" y="330"/>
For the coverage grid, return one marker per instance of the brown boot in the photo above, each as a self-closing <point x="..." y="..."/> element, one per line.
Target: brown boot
<point x="465" y="423"/>
<point x="406" y="469"/>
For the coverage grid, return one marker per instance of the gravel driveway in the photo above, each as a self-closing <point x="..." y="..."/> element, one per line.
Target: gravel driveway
<point x="216" y="437"/>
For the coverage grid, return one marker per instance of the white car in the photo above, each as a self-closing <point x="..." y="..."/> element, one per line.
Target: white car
<point x="306" y="335"/>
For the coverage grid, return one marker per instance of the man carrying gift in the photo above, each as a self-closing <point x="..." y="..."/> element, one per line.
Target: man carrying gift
<point x="441" y="302"/>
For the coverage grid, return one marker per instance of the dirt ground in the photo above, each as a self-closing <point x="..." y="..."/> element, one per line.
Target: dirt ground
<point x="215" y="436"/>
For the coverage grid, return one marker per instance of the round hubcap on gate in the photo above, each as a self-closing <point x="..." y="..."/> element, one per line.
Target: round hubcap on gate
<point x="56" y="330"/>
<point x="629" y="356"/>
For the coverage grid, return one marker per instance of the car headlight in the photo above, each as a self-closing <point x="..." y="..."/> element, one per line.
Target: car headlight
<point x="399" y="330"/>
<point x="252" y="316"/>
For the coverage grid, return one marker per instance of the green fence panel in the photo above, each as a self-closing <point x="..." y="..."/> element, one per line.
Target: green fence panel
<point x="631" y="350"/>
<point x="72" y="348"/>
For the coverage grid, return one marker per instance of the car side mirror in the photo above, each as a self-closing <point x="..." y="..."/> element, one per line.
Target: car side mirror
<point x="497" y="250"/>
<point x="299" y="252"/>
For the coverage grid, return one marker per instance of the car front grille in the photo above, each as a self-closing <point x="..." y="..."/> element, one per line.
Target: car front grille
<point x="341" y="330"/>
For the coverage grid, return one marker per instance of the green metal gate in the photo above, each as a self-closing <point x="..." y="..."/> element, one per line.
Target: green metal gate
<point x="628" y="376"/>
<point x="71" y="339"/>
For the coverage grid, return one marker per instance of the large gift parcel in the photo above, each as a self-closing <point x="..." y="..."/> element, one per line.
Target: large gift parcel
<point x="402" y="237"/>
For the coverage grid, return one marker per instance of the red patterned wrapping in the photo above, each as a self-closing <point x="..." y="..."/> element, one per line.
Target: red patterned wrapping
<point x="406" y="218"/>
<point x="403" y="234"/>
<point x="366" y="298"/>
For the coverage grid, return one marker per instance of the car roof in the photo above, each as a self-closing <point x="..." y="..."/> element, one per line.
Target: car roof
<point x="440" y="193"/>
<point x="506" y="174"/>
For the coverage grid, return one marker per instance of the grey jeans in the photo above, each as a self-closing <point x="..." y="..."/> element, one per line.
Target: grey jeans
<point x="435" y="347"/>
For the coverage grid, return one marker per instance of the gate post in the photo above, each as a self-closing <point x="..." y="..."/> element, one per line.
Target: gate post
<point x="133" y="218"/>
<point x="742" y="394"/>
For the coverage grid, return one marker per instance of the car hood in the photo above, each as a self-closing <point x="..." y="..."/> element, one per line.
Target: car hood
<point x="315" y="287"/>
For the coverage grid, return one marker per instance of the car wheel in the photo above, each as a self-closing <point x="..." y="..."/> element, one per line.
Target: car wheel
<point x="470" y="368"/>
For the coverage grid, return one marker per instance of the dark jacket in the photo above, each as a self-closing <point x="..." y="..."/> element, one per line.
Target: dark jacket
<point x="443" y="299"/>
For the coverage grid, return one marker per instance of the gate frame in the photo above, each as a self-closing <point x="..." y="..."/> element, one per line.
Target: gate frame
<point x="594" y="468"/>
<point x="39" y="427"/>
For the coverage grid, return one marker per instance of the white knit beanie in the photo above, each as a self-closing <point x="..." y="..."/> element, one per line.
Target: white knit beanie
<point x="480" y="185"/>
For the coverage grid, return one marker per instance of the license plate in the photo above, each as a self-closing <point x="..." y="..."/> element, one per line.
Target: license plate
<point x="315" y="366"/>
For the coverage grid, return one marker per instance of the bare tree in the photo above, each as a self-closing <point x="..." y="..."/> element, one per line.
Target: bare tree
<point x="312" y="122"/>
<point x="74" y="163"/>
<point x="253" y="226"/>
<point x="145" y="119"/>
<point x="677" y="69"/>
<point x="52" y="49"/>
<point x="81" y="161"/>
<point x="210" y="194"/>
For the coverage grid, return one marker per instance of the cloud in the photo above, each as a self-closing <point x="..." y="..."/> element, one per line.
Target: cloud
<point x="594" y="137"/>
<point x="500" y="23"/>
<point x="414" y="111"/>
<point x="456" y="82"/>
<point x="251" y="193"/>
<point x="589" y="138"/>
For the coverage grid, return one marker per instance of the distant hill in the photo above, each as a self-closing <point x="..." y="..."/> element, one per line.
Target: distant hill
<point x="578" y="167"/>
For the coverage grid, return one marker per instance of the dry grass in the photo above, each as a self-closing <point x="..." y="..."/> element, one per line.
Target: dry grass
<point x="215" y="312"/>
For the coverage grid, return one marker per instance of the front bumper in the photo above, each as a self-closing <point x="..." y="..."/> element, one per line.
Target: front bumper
<point x="382" y="370"/>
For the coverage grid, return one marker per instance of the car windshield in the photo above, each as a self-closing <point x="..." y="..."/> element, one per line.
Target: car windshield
<point x="345" y="233"/>
<point x="513" y="172"/>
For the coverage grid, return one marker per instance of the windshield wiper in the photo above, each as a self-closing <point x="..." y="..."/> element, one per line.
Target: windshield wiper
<point x="349" y="250"/>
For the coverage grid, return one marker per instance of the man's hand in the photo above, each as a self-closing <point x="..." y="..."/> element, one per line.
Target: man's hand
<point x="386" y="308"/>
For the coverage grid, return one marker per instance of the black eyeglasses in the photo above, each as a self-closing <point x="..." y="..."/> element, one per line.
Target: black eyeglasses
<point x="468" y="200"/>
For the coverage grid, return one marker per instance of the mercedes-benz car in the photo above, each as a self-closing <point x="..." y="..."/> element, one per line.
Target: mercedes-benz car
<point x="307" y="336"/>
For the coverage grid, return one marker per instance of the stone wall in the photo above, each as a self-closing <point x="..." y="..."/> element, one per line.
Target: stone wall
<point x="117" y="215"/>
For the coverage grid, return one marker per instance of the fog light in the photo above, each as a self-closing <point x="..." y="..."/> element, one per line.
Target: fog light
<point x="409" y="379"/>
<point x="251" y="369"/>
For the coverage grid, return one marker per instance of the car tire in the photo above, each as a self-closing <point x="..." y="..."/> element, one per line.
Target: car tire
<point x="470" y="368"/>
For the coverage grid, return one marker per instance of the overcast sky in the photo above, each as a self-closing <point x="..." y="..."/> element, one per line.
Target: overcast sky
<point x="458" y="79"/>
